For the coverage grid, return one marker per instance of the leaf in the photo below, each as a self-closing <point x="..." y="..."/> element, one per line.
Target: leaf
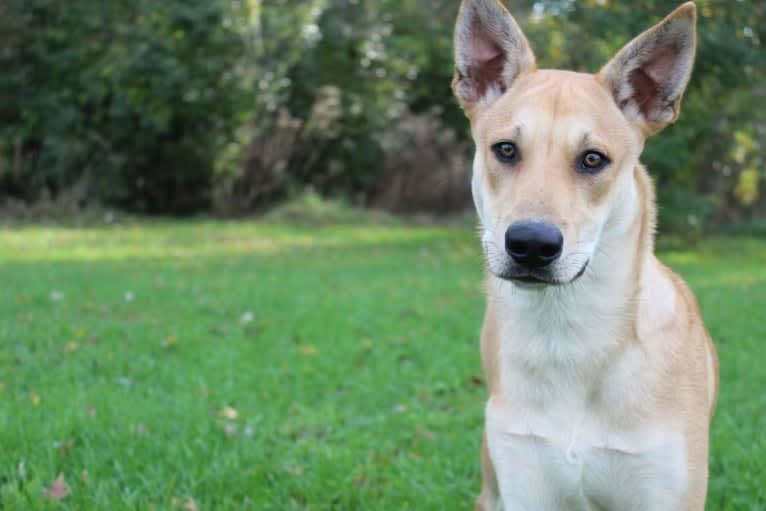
<point x="307" y="350"/>
<point x="229" y="413"/>
<point x="477" y="381"/>
<point x="64" y="447"/>
<point x="296" y="470"/>
<point x="170" y="341"/>
<point x="229" y="429"/>
<point x="58" y="490"/>
<point x="426" y="433"/>
<point x="71" y="347"/>
<point x="35" y="398"/>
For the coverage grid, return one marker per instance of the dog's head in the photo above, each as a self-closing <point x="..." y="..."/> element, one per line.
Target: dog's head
<point x="556" y="151"/>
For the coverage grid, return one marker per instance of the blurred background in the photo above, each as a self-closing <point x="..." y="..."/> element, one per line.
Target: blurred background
<point x="238" y="253"/>
<point x="230" y="108"/>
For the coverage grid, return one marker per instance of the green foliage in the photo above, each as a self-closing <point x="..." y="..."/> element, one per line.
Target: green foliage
<point x="311" y="209"/>
<point x="131" y="96"/>
<point x="169" y="106"/>
<point x="699" y="162"/>
<point x="266" y="367"/>
<point x="390" y="60"/>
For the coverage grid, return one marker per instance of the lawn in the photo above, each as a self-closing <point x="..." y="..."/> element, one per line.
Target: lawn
<point x="227" y="366"/>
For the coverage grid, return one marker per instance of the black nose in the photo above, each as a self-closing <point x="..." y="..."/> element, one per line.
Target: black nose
<point x="534" y="244"/>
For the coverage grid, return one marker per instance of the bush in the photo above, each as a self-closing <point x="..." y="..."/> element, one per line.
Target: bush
<point x="184" y="105"/>
<point x="131" y="97"/>
<point x="426" y="168"/>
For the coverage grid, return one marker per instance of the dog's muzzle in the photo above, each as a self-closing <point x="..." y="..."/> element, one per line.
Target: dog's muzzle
<point x="535" y="248"/>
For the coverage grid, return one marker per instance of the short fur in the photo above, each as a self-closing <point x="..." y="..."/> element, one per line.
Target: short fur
<point x="602" y="384"/>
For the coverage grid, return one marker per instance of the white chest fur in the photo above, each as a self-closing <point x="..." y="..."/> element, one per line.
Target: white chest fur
<point x="578" y="465"/>
<point x="567" y="432"/>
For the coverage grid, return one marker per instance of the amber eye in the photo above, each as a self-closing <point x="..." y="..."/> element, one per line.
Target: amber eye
<point x="592" y="162"/>
<point x="506" y="152"/>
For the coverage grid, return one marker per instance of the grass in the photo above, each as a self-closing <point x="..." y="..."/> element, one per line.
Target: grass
<point x="227" y="366"/>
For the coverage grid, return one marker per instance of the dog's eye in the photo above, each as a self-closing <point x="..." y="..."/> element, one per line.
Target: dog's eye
<point x="592" y="162"/>
<point x="506" y="152"/>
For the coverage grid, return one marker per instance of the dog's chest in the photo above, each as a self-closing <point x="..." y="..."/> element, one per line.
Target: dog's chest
<point x="575" y="464"/>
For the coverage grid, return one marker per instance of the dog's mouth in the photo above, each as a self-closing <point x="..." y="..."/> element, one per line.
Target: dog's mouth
<point x="536" y="278"/>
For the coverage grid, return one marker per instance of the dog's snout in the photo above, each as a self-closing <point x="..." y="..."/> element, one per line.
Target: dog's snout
<point x="534" y="244"/>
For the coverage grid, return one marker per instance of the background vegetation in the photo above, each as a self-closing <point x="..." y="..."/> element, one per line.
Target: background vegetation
<point x="325" y="356"/>
<point x="231" y="106"/>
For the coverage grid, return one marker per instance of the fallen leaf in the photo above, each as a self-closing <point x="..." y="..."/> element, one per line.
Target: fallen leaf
<point x="129" y="296"/>
<point x="191" y="505"/>
<point x="64" y="447"/>
<point x="229" y="429"/>
<point x="71" y="347"/>
<point x="295" y="470"/>
<point x="246" y="318"/>
<point x="35" y="398"/>
<point x="3" y="386"/>
<point x="58" y="490"/>
<point x="400" y="408"/>
<point x="229" y="413"/>
<point x="56" y="296"/>
<point x="307" y="350"/>
<point x="426" y="433"/>
<point x="85" y="476"/>
<point x="170" y="341"/>
<point x="91" y="411"/>
<point x="476" y="380"/>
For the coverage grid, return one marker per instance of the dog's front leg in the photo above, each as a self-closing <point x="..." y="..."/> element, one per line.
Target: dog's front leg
<point x="489" y="499"/>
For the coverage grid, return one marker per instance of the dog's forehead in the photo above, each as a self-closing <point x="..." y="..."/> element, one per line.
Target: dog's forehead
<point x="546" y="99"/>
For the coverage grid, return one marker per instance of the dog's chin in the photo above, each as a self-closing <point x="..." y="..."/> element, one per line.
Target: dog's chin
<point x="537" y="279"/>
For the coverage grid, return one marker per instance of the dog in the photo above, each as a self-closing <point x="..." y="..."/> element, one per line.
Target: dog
<point x="602" y="378"/>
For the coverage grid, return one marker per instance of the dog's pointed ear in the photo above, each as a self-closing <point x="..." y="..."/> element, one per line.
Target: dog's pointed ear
<point x="491" y="51"/>
<point x="649" y="75"/>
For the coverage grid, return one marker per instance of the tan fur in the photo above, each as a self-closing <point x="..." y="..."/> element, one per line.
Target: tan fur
<point x="616" y="364"/>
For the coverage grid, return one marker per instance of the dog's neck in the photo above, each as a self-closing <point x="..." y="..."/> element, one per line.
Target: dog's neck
<point x="601" y="307"/>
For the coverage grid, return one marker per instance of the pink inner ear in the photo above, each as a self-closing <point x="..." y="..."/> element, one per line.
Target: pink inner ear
<point x="653" y="79"/>
<point x="646" y="92"/>
<point x="488" y="62"/>
<point x="661" y="67"/>
<point x="483" y="50"/>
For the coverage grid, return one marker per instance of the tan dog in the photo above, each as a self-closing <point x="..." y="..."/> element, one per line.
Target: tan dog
<point x="602" y="377"/>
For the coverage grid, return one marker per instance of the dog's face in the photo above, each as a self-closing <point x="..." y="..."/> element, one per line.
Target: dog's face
<point x="551" y="157"/>
<point x="556" y="150"/>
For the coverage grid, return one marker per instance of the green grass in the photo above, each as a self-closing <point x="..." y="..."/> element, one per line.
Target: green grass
<point x="349" y="355"/>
